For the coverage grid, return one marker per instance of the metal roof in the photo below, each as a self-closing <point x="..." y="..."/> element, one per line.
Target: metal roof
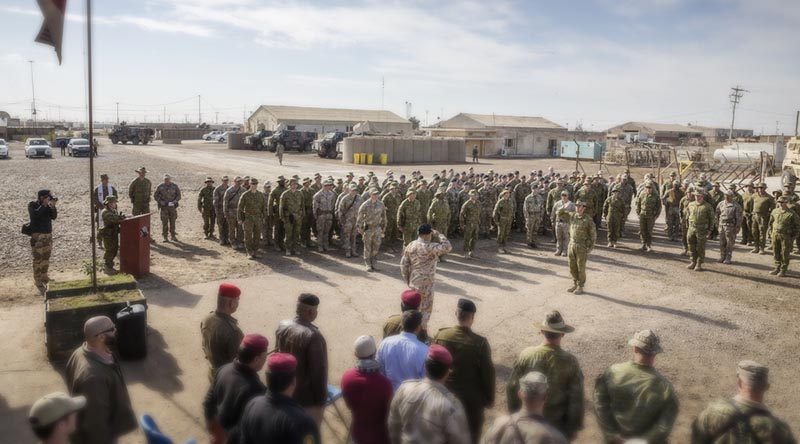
<point x="496" y="120"/>
<point x="297" y="113"/>
<point x="660" y="127"/>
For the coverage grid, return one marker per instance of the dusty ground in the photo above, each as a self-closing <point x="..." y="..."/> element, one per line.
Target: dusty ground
<point x="708" y="321"/>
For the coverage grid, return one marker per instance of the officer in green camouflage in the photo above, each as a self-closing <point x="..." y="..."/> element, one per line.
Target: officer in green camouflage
<point x="729" y="215"/>
<point x="564" y="406"/>
<point x="323" y="207"/>
<point x="266" y="222"/>
<point x="745" y="418"/>
<point x="371" y="222"/>
<point x="532" y="211"/>
<point x="503" y="217"/>
<point x="714" y="197"/>
<point x="633" y="400"/>
<point x="747" y="206"/>
<point x="167" y="196"/>
<point x="139" y="192"/>
<point x="700" y="217"/>
<point x="347" y="212"/>
<point x="453" y="198"/>
<point x="308" y="217"/>
<point x="613" y="212"/>
<point x="251" y="211"/>
<point x="582" y="237"/>
<point x="761" y="207"/>
<point x="219" y="210"/>
<point x="230" y="203"/>
<point x="470" y="218"/>
<point x="273" y="212"/>
<point x="292" y="210"/>
<point x="648" y="207"/>
<point x="110" y="231"/>
<point x="439" y="214"/>
<point x="671" y="198"/>
<point x="472" y="378"/>
<point x="784" y="225"/>
<point x="391" y="201"/>
<point x="425" y="197"/>
<point x="409" y="217"/>
<point x="521" y="191"/>
<point x="687" y="199"/>
<point x="205" y="205"/>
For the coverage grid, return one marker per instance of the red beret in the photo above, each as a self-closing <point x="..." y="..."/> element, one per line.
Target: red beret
<point x="255" y="342"/>
<point x="281" y="363"/>
<point x="228" y="290"/>
<point x="440" y="354"/>
<point x="411" y="298"/>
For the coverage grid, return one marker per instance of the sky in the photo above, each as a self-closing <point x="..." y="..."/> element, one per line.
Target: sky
<point x="598" y="63"/>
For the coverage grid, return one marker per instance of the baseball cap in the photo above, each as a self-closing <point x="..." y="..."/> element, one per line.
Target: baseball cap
<point x="53" y="407"/>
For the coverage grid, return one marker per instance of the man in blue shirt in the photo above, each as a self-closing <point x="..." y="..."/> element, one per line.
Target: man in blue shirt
<point x="402" y="357"/>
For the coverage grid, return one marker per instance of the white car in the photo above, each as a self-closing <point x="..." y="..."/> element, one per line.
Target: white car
<point x="213" y="135"/>
<point x="222" y="138"/>
<point x="79" y="147"/>
<point x="37" y="147"/>
<point x="3" y="149"/>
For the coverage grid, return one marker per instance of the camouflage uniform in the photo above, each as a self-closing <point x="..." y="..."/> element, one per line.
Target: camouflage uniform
<point x="110" y="234"/>
<point x="700" y="218"/>
<point x="521" y="192"/>
<point x="139" y="191"/>
<point x="614" y="211"/>
<point x="503" y="216"/>
<point x="784" y="225"/>
<point x="392" y="202"/>
<point x="425" y="197"/>
<point x="371" y="220"/>
<point x="648" y="207"/>
<point x="409" y="218"/>
<point x="626" y="193"/>
<point x="486" y="197"/>
<point x="222" y="221"/>
<point x="761" y="207"/>
<point x="205" y="205"/>
<point x="418" y="267"/>
<point x="714" y="197"/>
<point x="439" y="215"/>
<point x="453" y="197"/>
<point x="729" y="215"/>
<point x="634" y="401"/>
<point x="672" y="208"/>
<point x="250" y="212"/>
<point x="523" y="428"/>
<point x="532" y="211"/>
<point x="470" y="219"/>
<point x="348" y="212"/>
<point x="266" y="221"/>
<point x="322" y="207"/>
<point x="167" y="197"/>
<point x="739" y="421"/>
<point x="582" y="237"/>
<point x="747" y="221"/>
<point x="291" y="211"/>
<point x="564" y="406"/>
<point x="424" y="411"/>
<point x="308" y="217"/>
<point x="561" y="210"/>
<point x="685" y="222"/>
<point x="221" y="338"/>
<point x="273" y="212"/>
<point x="230" y="204"/>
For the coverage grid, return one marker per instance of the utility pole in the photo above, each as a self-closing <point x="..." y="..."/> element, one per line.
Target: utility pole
<point x="117" y="113"/>
<point x="33" y="99"/>
<point x="199" y="116"/>
<point x="165" y="114"/>
<point x="797" y="124"/>
<point x="735" y="96"/>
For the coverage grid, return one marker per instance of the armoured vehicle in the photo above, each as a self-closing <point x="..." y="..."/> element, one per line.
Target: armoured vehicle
<point x="124" y="133"/>
<point x="255" y="140"/>
<point x="290" y="139"/>
<point x="327" y="145"/>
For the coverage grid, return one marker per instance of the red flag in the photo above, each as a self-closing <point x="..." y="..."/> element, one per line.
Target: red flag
<point x="53" y="26"/>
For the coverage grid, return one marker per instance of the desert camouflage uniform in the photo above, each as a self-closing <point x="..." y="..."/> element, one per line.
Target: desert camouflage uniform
<point x="729" y="215"/>
<point x="164" y="195"/>
<point x="522" y="428"/>
<point x="230" y="204"/>
<point x="424" y="411"/>
<point x="291" y="211"/>
<point x="418" y="267"/>
<point x="561" y="224"/>
<point x="532" y="211"/>
<point x="251" y="211"/>
<point x="322" y="207"/>
<point x="739" y="421"/>
<point x="222" y="221"/>
<point x="139" y="192"/>
<point x="205" y="205"/>
<point x="371" y="220"/>
<point x="308" y="217"/>
<point x="348" y="212"/>
<point x="784" y="225"/>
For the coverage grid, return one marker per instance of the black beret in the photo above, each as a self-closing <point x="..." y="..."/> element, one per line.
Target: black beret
<point x="467" y="305"/>
<point x="308" y="299"/>
<point x="424" y="229"/>
<point x="43" y="193"/>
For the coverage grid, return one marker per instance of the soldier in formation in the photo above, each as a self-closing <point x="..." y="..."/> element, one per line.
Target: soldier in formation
<point x="292" y="212"/>
<point x="699" y="220"/>
<point x="250" y="212"/>
<point x="230" y="204"/>
<point x="532" y="212"/>
<point x="561" y="212"/>
<point x="469" y="220"/>
<point x="140" y="192"/>
<point x="582" y="237"/>
<point x="273" y="212"/>
<point x="371" y="222"/>
<point x="110" y="232"/>
<point x="323" y="207"/>
<point x="503" y="217"/>
<point x="219" y="210"/>
<point x="671" y="198"/>
<point x="760" y="206"/>
<point x="168" y="196"/>
<point x="409" y="217"/>
<point x="205" y="205"/>
<point x="729" y="216"/>
<point x="347" y="211"/>
<point x="784" y="226"/>
<point x="613" y="212"/>
<point x="648" y="207"/>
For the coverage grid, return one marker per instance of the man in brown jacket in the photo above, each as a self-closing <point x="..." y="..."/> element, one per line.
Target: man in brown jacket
<point x="220" y="330"/>
<point x="303" y="339"/>
<point x="94" y="372"/>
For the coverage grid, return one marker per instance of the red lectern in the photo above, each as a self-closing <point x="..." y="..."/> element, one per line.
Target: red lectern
<point x="134" y="245"/>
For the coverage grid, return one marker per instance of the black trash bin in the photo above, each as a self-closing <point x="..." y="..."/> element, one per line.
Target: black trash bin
<point x="132" y="332"/>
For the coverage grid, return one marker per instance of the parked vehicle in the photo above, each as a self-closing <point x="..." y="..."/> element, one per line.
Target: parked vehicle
<point x="222" y="138"/>
<point x="79" y="147"/>
<point x="3" y="149"/>
<point x="254" y="141"/>
<point x="212" y="135"/>
<point x="327" y="146"/>
<point x="290" y="139"/>
<point x="124" y="133"/>
<point x="37" y="147"/>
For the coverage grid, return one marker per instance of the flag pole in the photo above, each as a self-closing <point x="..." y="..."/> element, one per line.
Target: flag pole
<point x="91" y="140"/>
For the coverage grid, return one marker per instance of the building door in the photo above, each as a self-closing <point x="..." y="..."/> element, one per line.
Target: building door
<point x="552" y="147"/>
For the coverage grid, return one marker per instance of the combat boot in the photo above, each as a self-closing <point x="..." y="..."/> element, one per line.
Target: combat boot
<point x="685" y="253"/>
<point x="505" y="251"/>
<point x="721" y="260"/>
<point x="698" y="267"/>
<point x="781" y="274"/>
<point x="610" y="245"/>
<point x="372" y="262"/>
<point x="319" y="249"/>
<point x="643" y="248"/>
<point x="691" y="265"/>
<point x="573" y="288"/>
<point x="369" y="267"/>
<point x="578" y="290"/>
<point x="727" y="261"/>
<point x="347" y="254"/>
<point x="774" y="272"/>
<point x="754" y="250"/>
<point x="174" y="238"/>
<point x="441" y="259"/>
<point x="557" y="253"/>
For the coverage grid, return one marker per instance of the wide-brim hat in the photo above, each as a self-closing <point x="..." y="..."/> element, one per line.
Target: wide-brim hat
<point x="647" y="341"/>
<point x="554" y="323"/>
<point x="141" y="170"/>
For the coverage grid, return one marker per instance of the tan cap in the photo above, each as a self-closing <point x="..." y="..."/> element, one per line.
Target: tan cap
<point x="647" y="341"/>
<point x="53" y="407"/>
<point x="533" y="383"/>
<point x="96" y="325"/>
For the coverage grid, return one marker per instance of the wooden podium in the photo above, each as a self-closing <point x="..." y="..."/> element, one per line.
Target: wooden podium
<point x="134" y="245"/>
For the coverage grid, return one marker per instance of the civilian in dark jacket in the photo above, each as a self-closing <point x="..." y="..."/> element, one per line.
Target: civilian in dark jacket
<point x="303" y="339"/>
<point x="275" y="417"/>
<point x="234" y="385"/>
<point x="42" y="213"/>
<point x="368" y="394"/>
<point x="94" y="372"/>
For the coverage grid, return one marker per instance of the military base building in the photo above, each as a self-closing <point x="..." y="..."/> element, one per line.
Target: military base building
<point x="324" y="120"/>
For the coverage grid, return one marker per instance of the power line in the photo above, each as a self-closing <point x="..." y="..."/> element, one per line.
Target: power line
<point x="735" y="96"/>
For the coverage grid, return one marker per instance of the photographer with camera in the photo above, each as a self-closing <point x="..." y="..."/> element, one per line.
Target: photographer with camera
<point x="42" y="213"/>
<point x="110" y="231"/>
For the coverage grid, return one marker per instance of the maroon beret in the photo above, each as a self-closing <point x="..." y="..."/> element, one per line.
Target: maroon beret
<point x="440" y="354"/>
<point x="228" y="290"/>
<point x="411" y="298"/>
<point x="281" y="363"/>
<point x="255" y="342"/>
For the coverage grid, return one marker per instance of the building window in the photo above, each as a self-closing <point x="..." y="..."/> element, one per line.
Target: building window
<point x="509" y="143"/>
<point x="290" y="127"/>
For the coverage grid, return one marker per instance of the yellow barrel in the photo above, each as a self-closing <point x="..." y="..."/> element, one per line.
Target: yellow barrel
<point x="357" y="158"/>
<point x="384" y="158"/>
<point x="369" y="159"/>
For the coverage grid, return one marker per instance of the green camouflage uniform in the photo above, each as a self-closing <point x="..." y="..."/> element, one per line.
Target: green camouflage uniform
<point x="784" y="226"/>
<point x="425" y="197"/>
<point x="291" y="210"/>
<point x="582" y="237"/>
<point x="308" y="217"/>
<point x="409" y="218"/>
<point x="219" y="210"/>
<point x="371" y="220"/>
<point x="672" y="208"/>
<point x="729" y="216"/>
<point x="347" y="211"/>
<point x="251" y="211"/>
<point x="739" y="421"/>
<point x="532" y="212"/>
<point x="634" y="401"/>
<point x="520" y="193"/>
<point x="165" y="195"/>
<point x="470" y="218"/>
<point x="685" y="201"/>
<point x="564" y="407"/>
<point x="714" y="197"/>
<point x="761" y="207"/>
<point x="230" y="204"/>
<point x="747" y="207"/>
<point x="648" y="207"/>
<point x="453" y="198"/>
<point x="221" y="338"/>
<point x="266" y="221"/>
<point x="139" y="191"/>
<point x="472" y="378"/>
<point x="439" y="215"/>
<point x="503" y="216"/>
<point x="205" y="205"/>
<point x="613" y="212"/>
<point x="323" y="206"/>
<point x="273" y="212"/>
<point x="700" y="218"/>
<point x="560" y="222"/>
<point x="487" y="198"/>
<point x="110" y="234"/>
<point x="392" y="202"/>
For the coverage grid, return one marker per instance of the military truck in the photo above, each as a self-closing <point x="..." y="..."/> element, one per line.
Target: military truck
<point x="290" y="139"/>
<point x="124" y="133"/>
<point x="327" y="146"/>
<point x="791" y="162"/>
<point x="255" y="140"/>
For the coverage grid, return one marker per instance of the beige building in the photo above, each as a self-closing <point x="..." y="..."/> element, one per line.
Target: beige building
<point x="495" y="134"/>
<point x="323" y="120"/>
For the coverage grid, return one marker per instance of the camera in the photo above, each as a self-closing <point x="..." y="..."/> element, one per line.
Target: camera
<point x="53" y="198"/>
